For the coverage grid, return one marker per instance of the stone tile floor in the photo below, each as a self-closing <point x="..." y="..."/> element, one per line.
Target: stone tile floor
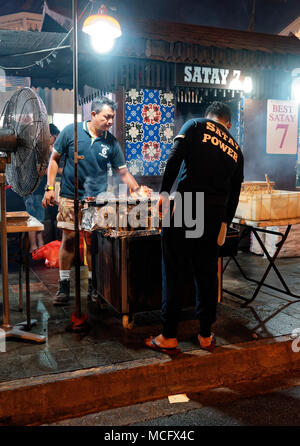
<point x="107" y="342"/>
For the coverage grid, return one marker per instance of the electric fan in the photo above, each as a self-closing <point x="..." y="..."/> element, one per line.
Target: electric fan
<point x="24" y="153"/>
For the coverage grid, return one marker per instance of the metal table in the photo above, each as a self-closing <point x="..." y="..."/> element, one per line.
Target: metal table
<point x="260" y="227"/>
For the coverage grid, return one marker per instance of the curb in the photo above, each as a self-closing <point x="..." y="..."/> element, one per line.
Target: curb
<point x="35" y="401"/>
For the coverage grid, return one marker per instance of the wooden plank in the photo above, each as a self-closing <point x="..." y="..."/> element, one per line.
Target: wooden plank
<point x="16" y="214"/>
<point x="17" y="218"/>
<point x="32" y="225"/>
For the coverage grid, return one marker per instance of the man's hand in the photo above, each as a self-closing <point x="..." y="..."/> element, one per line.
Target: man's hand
<point x="143" y="191"/>
<point x="147" y="190"/>
<point x="49" y="198"/>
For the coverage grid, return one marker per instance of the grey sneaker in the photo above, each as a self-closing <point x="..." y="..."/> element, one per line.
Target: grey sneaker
<point x="63" y="293"/>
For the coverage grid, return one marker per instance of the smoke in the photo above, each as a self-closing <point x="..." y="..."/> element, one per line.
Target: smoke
<point x="255" y="141"/>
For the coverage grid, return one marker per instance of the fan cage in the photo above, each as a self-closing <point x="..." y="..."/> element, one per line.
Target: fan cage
<point x="25" y="114"/>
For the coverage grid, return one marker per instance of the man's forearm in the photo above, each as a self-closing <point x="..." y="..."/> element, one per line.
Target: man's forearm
<point x="52" y="172"/>
<point x="232" y="205"/>
<point x="128" y="179"/>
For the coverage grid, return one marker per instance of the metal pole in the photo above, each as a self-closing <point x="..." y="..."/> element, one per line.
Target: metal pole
<point x="26" y="256"/>
<point x="76" y="203"/>
<point x="4" y="256"/>
<point x="20" y="307"/>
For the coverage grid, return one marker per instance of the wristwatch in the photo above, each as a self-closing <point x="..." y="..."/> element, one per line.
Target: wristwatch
<point x="47" y="187"/>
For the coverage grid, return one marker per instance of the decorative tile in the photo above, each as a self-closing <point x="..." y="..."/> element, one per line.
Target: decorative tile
<point x="149" y="130"/>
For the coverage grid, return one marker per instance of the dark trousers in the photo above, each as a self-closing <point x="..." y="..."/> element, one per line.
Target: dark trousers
<point x="199" y="256"/>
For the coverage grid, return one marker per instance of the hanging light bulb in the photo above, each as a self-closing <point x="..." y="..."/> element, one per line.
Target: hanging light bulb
<point x="103" y="30"/>
<point x="102" y="44"/>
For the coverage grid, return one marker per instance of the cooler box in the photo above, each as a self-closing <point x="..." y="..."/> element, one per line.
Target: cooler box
<point x="276" y="205"/>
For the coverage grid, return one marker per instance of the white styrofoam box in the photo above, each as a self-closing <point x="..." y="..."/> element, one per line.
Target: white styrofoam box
<point x="291" y="247"/>
<point x="277" y="205"/>
<point x="254" y="245"/>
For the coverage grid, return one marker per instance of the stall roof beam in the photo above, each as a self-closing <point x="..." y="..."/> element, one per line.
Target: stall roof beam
<point x="209" y="36"/>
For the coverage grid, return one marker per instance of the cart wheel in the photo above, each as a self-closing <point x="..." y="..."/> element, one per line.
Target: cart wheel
<point x="127" y="323"/>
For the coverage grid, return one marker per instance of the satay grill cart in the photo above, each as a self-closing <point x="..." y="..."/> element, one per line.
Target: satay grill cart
<point x="127" y="265"/>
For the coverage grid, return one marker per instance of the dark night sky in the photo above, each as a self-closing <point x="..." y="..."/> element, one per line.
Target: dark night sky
<point x="271" y="15"/>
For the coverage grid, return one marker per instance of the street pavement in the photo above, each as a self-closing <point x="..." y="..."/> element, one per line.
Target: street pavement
<point x="280" y="408"/>
<point x="271" y="401"/>
<point x="252" y="341"/>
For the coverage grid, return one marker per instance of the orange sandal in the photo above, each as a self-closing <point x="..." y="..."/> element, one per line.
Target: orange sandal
<point x="211" y="346"/>
<point x="151" y="343"/>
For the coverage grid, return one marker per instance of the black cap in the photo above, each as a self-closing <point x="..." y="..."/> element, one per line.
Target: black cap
<point x="53" y="129"/>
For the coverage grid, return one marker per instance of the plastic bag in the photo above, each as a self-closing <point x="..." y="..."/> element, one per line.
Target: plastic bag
<point x="50" y="252"/>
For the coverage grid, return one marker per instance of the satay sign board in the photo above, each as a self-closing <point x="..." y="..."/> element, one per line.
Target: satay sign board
<point x="201" y="76"/>
<point x="282" y="127"/>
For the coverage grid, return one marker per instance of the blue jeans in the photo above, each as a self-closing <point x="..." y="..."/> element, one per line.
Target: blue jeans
<point x="33" y="204"/>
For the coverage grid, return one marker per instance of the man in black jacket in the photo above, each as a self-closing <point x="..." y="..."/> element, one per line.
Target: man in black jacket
<point x="210" y="167"/>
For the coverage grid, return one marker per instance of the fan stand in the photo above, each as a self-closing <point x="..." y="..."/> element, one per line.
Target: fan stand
<point x="10" y="331"/>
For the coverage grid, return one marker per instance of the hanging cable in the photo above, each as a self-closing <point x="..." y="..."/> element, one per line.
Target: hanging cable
<point x="40" y="62"/>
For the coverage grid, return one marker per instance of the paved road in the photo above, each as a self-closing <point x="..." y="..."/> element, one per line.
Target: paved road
<point x="272" y="401"/>
<point x="280" y="408"/>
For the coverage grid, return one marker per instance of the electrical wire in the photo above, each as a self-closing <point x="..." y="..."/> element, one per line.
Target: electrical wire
<point x="29" y="53"/>
<point x="40" y="62"/>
